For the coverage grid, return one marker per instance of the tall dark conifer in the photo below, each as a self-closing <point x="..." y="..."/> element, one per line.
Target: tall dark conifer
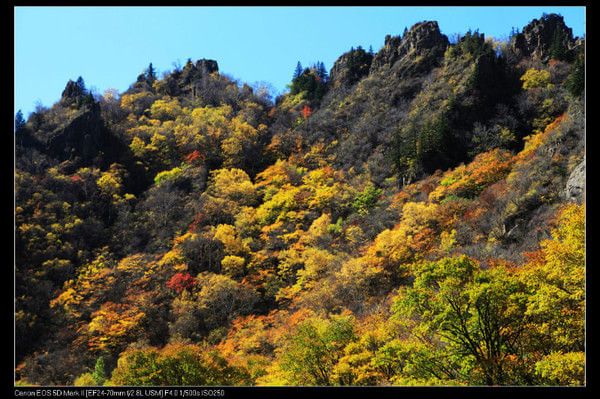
<point x="322" y="72"/>
<point x="150" y="73"/>
<point x="558" y="50"/>
<point x="298" y="70"/>
<point x="81" y="85"/>
<point x="19" y="121"/>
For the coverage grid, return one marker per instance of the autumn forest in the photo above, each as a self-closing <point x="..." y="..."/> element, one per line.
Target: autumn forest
<point x="413" y="216"/>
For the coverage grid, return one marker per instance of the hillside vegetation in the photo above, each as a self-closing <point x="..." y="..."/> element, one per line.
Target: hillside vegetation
<point x="414" y="216"/>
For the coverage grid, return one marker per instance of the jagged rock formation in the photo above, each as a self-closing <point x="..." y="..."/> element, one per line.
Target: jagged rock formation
<point x="75" y="94"/>
<point x="80" y="135"/>
<point x="575" y="190"/>
<point x="71" y="92"/>
<point x="350" y="68"/>
<point x="417" y="51"/>
<point x="362" y="111"/>
<point x="190" y="79"/>
<point x="423" y="40"/>
<point x="410" y="80"/>
<point x="544" y="38"/>
<point x="192" y="72"/>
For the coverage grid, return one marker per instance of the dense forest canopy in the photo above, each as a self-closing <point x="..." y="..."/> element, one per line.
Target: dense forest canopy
<point x="415" y="216"/>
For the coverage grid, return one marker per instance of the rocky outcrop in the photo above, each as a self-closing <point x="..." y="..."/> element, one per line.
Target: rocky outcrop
<point x="192" y="72"/>
<point x="84" y="138"/>
<point x="423" y="40"/>
<point x="74" y="93"/>
<point x="80" y="137"/>
<point x="361" y="111"/>
<point x="186" y="80"/>
<point x="575" y="190"/>
<point x="544" y="38"/>
<point x="205" y="66"/>
<point x="350" y="68"/>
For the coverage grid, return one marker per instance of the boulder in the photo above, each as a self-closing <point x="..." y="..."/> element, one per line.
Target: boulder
<point x="575" y="189"/>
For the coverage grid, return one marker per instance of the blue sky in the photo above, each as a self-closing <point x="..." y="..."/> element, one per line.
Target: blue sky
<point x="110" y="46"/>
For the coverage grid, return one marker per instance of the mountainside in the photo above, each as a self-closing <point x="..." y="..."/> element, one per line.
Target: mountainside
<point x="414" y="216"/>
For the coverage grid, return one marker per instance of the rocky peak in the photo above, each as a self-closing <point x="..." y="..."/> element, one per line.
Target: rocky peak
<point x="198" y="70"/>
<point x="73" y="92"/>
<point x="544" y="38"/>
<point x="350" y="67"/>
<point x="424" y="38"/>
<point x="183" y="81"/>
<point x="207" y="66"/>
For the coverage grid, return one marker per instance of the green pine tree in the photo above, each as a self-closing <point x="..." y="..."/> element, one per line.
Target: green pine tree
<point x="298" y="70"/>
<point x="575" y="83"/>
<point x="558" y="50"/>
<point x="99" y="373"/>
<point x="81" y="85"/>
<point x="150" y="73"/>
<point x="19" y="121"/>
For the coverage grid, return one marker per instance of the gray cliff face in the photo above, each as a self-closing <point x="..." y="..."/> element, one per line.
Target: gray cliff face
<point x="424" y="39"/>
<point x="540" y="35"/>
<point x="575" y="189"/>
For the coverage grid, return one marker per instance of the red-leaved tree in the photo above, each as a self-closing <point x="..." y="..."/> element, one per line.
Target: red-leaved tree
<point x="181" y="281"/>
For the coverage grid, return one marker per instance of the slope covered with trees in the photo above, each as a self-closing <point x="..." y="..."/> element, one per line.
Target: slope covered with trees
<point x="415" y="216"/>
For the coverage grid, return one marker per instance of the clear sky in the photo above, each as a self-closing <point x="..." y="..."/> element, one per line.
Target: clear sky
<point x="110" y="46"/>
